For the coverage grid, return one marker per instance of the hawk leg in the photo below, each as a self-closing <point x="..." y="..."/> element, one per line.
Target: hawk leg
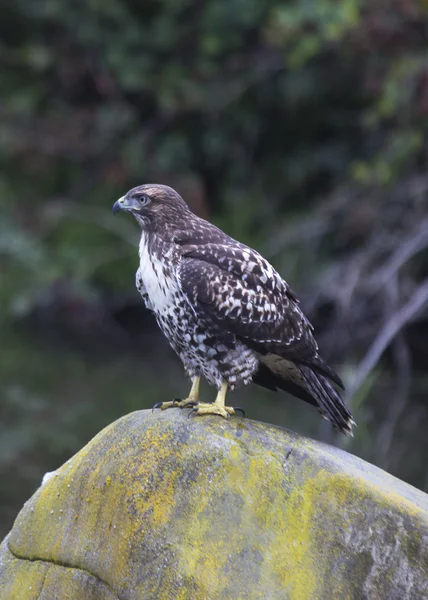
<point x="191" y="400"/>
<point x="217" y="407"/>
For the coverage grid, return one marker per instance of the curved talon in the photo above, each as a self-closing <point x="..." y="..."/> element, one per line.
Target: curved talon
<point x="194" y="410"/>
<point x="239" y="409"/>
<point x="175" y="401"/>
<point x="157" y="405"/>
<point x="189" y="404"/>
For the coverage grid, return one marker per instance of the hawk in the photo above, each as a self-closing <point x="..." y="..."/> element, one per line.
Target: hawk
<point x="224" y="309"/>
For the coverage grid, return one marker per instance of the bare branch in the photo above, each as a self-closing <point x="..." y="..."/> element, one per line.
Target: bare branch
<point x="407" y="313"/>
<point x="313" y="227"/>
<point x="403" y="378"/>
<point x="415" y="243"/>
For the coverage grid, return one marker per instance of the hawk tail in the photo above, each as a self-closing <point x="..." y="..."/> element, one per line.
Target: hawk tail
<point x="308" y="384"/>
<point x="328" y="401"/>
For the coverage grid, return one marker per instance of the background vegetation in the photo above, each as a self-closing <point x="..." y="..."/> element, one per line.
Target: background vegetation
<point x="298" y="127"/>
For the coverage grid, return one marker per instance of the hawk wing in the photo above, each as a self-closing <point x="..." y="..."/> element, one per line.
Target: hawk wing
<point x="234" y="287"/>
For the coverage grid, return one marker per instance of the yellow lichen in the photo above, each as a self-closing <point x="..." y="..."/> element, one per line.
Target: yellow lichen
<point x="162" y="507"/>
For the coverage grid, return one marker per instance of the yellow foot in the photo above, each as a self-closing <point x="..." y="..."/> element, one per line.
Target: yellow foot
<point x="213" y="408"/>
<point x="177" y="403"/>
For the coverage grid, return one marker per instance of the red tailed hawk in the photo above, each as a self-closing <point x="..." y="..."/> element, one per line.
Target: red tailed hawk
<point x="226" y="312"/>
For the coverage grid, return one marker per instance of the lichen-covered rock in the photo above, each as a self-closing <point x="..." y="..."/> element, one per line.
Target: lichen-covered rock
<point x="161" y="507"/>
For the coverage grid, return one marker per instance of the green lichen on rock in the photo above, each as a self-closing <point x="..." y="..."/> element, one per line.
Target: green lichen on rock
<point x="40" y="580"/>
<point x="161" y="507"/>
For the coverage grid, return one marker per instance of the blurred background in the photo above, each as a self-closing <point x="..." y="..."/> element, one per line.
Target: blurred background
<point x="300" y="128"/>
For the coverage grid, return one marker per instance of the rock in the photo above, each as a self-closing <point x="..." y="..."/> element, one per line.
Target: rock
<point x="162" y="507"/>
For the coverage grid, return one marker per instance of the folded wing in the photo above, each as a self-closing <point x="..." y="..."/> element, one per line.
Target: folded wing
<point x="237" y="290"/>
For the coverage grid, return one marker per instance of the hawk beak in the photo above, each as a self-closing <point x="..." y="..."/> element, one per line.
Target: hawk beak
<point x="117" y="206"/>
<point x="125" y="204"/>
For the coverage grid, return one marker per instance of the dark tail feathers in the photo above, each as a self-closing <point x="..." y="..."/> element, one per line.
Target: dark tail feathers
<point x="308" y="384"/>
<point x="329" y="403"/>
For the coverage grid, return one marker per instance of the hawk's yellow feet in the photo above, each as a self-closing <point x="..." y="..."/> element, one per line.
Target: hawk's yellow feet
<point x="217" y="407"/>
<point x="191" y="400"/>
<point x="211" y="408"/>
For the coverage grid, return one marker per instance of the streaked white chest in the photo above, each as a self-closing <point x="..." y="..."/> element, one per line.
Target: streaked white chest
<point x="159" y="282"/>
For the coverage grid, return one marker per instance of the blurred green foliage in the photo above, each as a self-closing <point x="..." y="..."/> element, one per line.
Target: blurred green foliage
<point x="259" y="112"/>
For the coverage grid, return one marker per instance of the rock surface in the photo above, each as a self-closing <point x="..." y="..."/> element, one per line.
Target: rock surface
<point x="161" y="507"/>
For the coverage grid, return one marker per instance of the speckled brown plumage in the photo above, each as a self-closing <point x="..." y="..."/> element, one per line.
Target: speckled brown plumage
<point x="224" y="309"/>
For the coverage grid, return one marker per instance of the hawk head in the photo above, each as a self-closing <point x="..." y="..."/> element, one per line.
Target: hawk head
<point x="153" y="205"/>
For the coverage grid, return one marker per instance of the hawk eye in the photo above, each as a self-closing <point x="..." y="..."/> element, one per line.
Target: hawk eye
<point x="143" y="199"/>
